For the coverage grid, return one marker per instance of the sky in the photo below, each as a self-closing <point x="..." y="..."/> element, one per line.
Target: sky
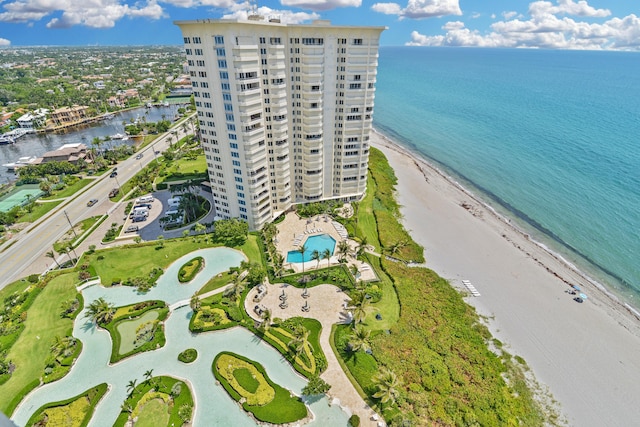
<point x="552" y="24"/>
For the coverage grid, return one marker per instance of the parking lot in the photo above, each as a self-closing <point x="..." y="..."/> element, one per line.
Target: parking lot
<point x="150" y="228"/>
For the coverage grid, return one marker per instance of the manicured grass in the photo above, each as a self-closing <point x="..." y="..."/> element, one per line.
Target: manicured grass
<point x="367" y="226"/>
<point x="69" y="190"/>
<point x="189" y="270"/>
<point x="138" y="260"/>
<point x="39" y="210"/>
<point x="246" y="379"/>
<point x="32" y="348"/>
<point x="144" y="393"/>
<point x="188" y="356"/>
<point x="217" y="282"/>
<point x="154" y="413"/>
<point x="130" y="316"/>
<point x="73" y="412"/>
<point x="388" y="307"/>
<point x="270" y="402"/>
<point x="252" y="250"/>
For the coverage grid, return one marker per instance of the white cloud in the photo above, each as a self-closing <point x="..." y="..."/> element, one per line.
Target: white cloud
<point x="90" y="13"/>
<point x="4" y="42"/>
<point x="387" y="8"/>
<point x="548" y="26"/>
<point x="419" y="9"/>
<point x="566" y="7"/>
<point x="319" y="5"/>
<point x="285" y="16"/>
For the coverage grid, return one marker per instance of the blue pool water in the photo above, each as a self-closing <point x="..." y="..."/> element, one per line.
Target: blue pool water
<point x="314" y="243"/>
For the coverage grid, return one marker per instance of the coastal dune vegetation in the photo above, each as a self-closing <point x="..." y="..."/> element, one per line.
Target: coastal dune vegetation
<point x="438" y="364"/>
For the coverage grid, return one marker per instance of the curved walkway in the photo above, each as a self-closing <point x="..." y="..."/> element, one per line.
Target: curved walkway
<point x="327" y="305"/>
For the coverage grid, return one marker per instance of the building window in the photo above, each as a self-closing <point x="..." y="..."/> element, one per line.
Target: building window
<point x="222" y="63"/>
<point x="218" y="39"/>
<point x="224" y="75"/>
<point x="231" y="127"/>
<point x="233" y="145"/>
<point x="220" y="51"/>
<point x="229" y="117"/>
<point x="187" y="40"/>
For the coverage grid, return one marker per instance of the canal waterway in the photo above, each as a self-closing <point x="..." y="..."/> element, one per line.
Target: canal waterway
<point x="214" y="407"/>
<point x="38" y="144"/>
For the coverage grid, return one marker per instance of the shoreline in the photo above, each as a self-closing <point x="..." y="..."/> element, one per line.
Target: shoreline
<point x="578" y="352"/>
<point x="422" y="163"/>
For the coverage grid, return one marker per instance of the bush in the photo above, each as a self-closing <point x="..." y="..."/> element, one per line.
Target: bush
<point x="188" y="356"/>
<point x="189" y="270"/>
<point x="354" y="421"/>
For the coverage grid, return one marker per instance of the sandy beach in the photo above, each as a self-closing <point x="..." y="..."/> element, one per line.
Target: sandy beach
<point x="585" y="354"/>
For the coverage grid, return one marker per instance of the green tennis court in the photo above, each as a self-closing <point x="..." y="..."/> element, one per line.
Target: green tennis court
<point x="19" y="196"/>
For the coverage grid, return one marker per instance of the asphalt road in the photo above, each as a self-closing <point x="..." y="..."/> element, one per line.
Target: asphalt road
<point x="32" y="243"/>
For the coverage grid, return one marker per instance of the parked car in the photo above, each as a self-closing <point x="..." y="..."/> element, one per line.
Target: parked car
<point x="92" y="202"/>
<point x="131" y="229"/>
<point x="113" y="174"/>
<point x="114" y="192"/>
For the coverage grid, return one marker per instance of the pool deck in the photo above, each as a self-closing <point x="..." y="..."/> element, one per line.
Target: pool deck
<point x="327" y="304"/>
<point x="292" y="230"/>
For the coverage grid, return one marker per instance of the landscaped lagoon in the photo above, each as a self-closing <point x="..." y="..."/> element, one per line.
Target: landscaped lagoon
<point x="313" y="243"/>
<point x="213" y="405"/>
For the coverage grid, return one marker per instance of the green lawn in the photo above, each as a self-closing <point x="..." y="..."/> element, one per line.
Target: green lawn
<point x="138" y="260"/>
<point x="217" y="282"/>
<point x="42" y="326"/>
<point x="389" y="306"/>
<point x="153" y="414"/>
<point x="251" y="249"/>
<point x="69" y="190"/>
<point x="39" y="210"/>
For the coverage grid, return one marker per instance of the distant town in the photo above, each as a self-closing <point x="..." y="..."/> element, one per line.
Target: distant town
<point x="52" y="88"/>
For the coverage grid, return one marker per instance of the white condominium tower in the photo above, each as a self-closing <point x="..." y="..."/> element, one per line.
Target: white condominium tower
<point x="285" y="111"/>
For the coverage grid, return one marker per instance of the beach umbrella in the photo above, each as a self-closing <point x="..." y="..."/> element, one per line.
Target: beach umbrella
<point x="576" y="287"/>
<point x="583" y="296"/>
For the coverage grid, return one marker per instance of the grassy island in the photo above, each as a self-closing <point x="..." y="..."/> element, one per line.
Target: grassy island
<point x="247" y="382"/>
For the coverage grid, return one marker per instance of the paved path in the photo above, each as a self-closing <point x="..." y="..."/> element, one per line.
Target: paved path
<point x="327" y="304"/>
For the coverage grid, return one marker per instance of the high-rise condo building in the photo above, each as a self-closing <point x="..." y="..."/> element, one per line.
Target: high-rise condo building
<point x="285" y="111"/>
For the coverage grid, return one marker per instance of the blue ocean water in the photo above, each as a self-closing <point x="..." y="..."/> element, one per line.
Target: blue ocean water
<point x="550" y="137"/>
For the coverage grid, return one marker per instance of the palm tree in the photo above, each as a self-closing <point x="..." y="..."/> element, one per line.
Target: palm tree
<point x="359" y="340"/>
<point x="131" y="387"/>
<point x="234" y="290"/>
<point x="361" y="247"/>
<point x="353" y="268"/>
<point x="71" y="248"/>
<point x="396" y="247"/>
<point x="343" y="249"/>
<point x="387" y="383"/>
<point x="278" y="263"/>
<point x="52" y="255"/>
<point x="326" y="254"/>
<point x="195" y="303"/>
<point x="266" y="320"/>
<point x="302" y="251"/>
<point x="315" y="256"/>
<point x="101" y="311"/>
<point x="300" y="340"/>
<point x="359" y="307"/>
<point x="148" y="376"/>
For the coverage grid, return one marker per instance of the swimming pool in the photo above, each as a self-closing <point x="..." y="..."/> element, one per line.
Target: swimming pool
<point x="318" y="243"/>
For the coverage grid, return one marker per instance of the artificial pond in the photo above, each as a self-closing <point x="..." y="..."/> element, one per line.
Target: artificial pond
<point x="213" y="406"/>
